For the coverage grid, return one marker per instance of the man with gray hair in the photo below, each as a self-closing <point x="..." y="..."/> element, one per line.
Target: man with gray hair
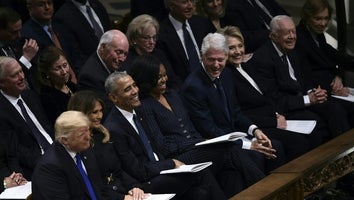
<point x="69" y="169"/>
<point x="111" y="52"/>
<point x="212" y="104"/>
<point x="23" y="115"/>
<point x="284" y="79"/>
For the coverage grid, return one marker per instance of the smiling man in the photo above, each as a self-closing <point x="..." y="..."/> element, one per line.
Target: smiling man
<point x="22" y="115"/>
<point x="285" y="79"/>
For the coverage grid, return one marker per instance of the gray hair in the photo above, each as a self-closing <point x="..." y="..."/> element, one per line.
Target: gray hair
<point x="138" y="25"/>
<point x="68" y="122"/>
<point x="5" y="61"/>
<point x="108" y="37"/>
<point x="214" y="41"/>
<point x="110" y="83"/>
<point x="274" y="24"/>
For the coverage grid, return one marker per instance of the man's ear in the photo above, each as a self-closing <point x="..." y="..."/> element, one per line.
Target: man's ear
<point x="63" y="140"/>
<point x="112" y="97"/>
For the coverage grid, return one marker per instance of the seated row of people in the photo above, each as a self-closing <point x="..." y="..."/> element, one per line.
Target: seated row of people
<point x="296" y="102"/>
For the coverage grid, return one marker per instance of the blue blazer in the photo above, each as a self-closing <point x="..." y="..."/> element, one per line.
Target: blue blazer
<point x="131" y="150"/>
<point x="206" y="109"/>
<point x="173" y="132"/>
<point x="57" y="177"/>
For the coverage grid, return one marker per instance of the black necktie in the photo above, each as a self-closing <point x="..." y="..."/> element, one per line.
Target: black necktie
<point x="261" y="13"/>
<point x="95" y="26"/>
<point x="193" y="57"/>
<point x="144" y="139"/>
<point x="85" y="177"/>
<point x="42" y="141"/>
<point x="222" y="97"/>
<point x="9" y="51"/>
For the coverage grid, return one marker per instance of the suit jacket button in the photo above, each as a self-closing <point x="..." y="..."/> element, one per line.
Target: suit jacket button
<point x="115" y="187"/>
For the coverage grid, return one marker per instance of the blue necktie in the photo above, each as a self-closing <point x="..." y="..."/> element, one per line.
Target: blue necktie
<point x="96" y="27"/>
<point x="144" y="139"/>
<point x="193" y="57"/>
<point x="42" y="141"/>
<point x="85" y="177"/>
<point x="222" y="97"/>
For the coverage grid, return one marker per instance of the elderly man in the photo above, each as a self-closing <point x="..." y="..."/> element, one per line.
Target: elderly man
<point x="68" y="170"/>
<point x="284" y="78"/>
<point x="23" y="115"/>
<point x="111" y="53"/>
<point x="212" y="104"/>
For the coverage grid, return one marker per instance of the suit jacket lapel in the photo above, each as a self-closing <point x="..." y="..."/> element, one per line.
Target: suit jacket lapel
<point x="127" y="127"/>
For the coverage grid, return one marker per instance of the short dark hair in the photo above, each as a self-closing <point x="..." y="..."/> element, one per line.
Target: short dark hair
<point x="145" y="71"/>
<point x="8" y="16"/>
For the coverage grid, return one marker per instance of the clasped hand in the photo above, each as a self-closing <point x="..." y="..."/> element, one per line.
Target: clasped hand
<point x="263" y="145"/>
<point x="318" y="95"/>
<point x="15" y="179"/>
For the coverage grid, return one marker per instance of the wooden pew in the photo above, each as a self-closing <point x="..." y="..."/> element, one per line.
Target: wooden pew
<point x="307" y="173"/>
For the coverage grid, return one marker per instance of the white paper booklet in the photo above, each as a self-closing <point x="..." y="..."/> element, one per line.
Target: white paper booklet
<point x="188" y="168"/>
<point x="18" y="192"/>
<point x="348" y="98"/>
<point x="301" y="126"/>
<point x="160" y="196"/>
<point x="224" y="138"/>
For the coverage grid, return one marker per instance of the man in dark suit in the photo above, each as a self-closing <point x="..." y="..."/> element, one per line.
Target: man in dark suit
<point x="139" y="158"/>
<point x="210" y="99"/>
<point x="10" y="170"/>
<point x="75" y="25"/>
<point x="10" y="43"/>
<point x="58" y="174"/>
<point x="252" y="17"/>
<point x="283" y="78"/>
<point x="32" y="142"/>
<point x="39" y="27"/>
<point x="111" y="53"/>
<point x="174" y="43"/>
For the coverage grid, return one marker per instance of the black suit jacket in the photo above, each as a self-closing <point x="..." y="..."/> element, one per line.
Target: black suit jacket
<point x="323" y="59"/>
<point x="77" y="32"/>
<point x="275" y="81"/>
<point x="28" y="150"/>
<point x="172" y="46"/>
<point x="32" y="29"/>
<point x="131" y="149"/>
<point x="8" y="159"/>
<point x="92" y="77"/>
<point x="253" y="104"/>
<point x="57" y="177"/>
<point x="206" y="109"/>
<point x="242" y="14"/>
